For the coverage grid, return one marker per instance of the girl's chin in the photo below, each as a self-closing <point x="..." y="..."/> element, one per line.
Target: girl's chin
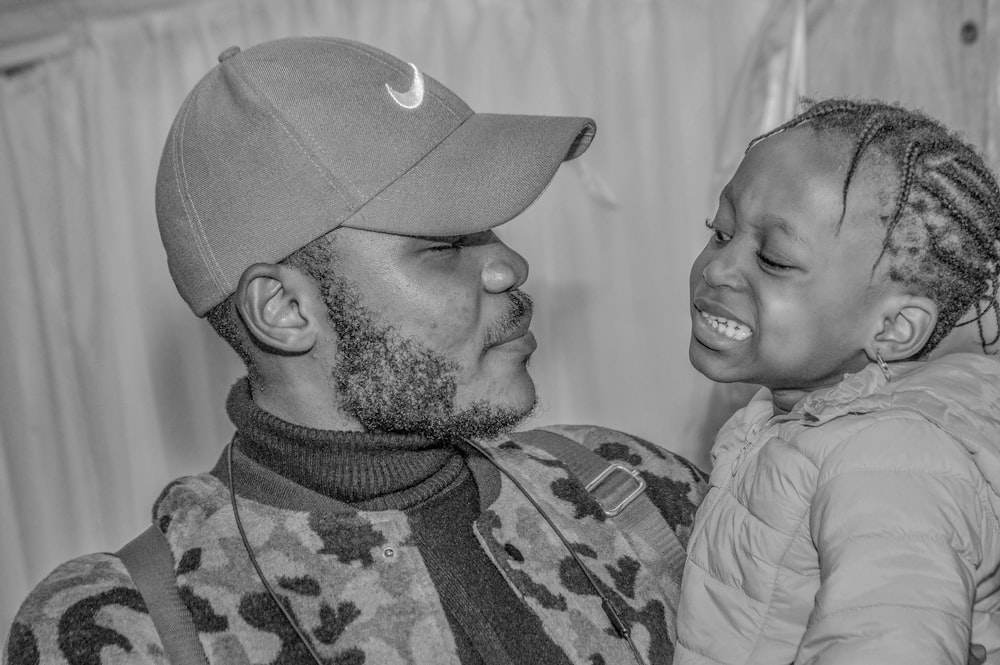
<point x="715" y="365"/>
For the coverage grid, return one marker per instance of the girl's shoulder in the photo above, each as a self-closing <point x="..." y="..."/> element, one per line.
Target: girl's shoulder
<point x="953" y="397"/>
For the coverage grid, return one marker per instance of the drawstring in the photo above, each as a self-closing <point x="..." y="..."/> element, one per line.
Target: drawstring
<point x="253" y="559"/>
<point x="621" y="628"/>
<point x="619" y="625"/>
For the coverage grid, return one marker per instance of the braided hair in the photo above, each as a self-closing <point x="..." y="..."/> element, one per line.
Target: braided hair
<point x="942" y="237"/>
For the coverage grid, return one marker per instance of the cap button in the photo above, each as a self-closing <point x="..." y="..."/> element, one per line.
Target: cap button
<point x="228" y="53"/>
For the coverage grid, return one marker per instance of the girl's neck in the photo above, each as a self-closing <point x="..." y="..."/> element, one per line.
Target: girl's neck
<point x="784" y="399"/>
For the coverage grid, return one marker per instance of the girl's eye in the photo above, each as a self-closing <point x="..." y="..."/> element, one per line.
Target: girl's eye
<point x="771" y="265"/>
<point x="718" y="237"/>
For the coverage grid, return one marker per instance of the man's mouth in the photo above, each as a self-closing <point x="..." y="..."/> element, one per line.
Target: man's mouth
<point x="734" y="330"/>
<point x="514" y="323"/>
<point x="520" y="330"/>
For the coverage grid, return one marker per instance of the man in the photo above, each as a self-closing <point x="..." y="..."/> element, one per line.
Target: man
<point x="330" y="209"/>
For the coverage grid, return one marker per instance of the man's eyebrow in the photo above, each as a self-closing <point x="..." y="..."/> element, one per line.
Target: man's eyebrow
<point x="463" y="239"/>
<point x="442" y="239"/>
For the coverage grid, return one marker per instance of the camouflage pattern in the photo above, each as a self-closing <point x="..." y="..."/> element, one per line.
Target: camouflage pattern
<point x="356" y="584"/>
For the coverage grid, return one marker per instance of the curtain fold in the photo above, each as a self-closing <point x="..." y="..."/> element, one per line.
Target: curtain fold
<point x="110" y="387"/>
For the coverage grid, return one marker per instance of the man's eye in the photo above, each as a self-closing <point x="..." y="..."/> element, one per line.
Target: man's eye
<point x="446" y="247"/>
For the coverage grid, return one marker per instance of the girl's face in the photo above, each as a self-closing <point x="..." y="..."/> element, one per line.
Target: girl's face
<point x="781" y="296"/>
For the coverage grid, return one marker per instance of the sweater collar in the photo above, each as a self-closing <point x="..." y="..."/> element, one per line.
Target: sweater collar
<point x="367" y="470"/>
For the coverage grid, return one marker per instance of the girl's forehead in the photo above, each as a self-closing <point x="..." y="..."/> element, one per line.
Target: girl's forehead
<point x="821" y="153"/>
<point x="803" y="150"/>
<point x="788" y="170"/>
<point x="798" y="176"/>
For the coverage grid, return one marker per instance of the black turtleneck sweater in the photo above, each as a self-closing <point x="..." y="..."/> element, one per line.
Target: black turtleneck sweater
<point x="431" y="483"/>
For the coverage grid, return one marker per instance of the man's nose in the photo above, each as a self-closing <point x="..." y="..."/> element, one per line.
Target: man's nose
<point x="504" y="270"/>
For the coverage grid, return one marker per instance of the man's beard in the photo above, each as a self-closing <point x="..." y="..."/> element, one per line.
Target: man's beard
<point x="391" y="383"/>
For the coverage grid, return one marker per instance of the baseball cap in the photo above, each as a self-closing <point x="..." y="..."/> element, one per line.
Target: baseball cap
<point x="289" y="139"/>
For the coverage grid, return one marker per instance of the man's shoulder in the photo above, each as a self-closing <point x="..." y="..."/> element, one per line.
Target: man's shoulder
<point x="202" y="493"/>
<point x="86" y="610"/>
<point x="674" y="485"/>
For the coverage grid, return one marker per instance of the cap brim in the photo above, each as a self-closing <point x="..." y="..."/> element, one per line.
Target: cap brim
<point x="483" y="174"/>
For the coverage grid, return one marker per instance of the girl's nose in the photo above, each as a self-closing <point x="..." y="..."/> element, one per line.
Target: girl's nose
<point x="723" y="271"/>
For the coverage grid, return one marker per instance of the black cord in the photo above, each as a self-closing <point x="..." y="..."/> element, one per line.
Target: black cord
<point x="253" y="559"/>
<point x="621" y="628"/>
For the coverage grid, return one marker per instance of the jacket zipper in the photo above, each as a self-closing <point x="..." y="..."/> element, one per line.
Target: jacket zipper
<point x="749" y="439"/>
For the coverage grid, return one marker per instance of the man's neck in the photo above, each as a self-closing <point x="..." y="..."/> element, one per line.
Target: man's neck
<point x="303" y="403"/>
<point x="368" y="470"/>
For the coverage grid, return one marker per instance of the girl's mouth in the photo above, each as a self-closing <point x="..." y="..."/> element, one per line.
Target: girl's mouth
<point x="734" y="330"/>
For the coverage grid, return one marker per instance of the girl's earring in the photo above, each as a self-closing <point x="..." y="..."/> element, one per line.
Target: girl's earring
<point x="882" y="365"/>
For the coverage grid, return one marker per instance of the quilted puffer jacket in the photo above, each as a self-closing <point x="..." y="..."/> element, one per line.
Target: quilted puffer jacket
<point x="356" y="581"/>
<point x="861" y="527"/>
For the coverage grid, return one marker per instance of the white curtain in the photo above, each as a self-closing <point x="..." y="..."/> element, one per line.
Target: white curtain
<point x="109" y="387"/>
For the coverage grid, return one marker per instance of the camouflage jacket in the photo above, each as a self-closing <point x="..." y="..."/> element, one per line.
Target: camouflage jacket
<point x="356" y="584"/>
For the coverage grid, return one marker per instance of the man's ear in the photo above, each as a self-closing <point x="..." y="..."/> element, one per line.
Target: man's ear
<point x="270" y="301"/>
<point x="907" y="325"/>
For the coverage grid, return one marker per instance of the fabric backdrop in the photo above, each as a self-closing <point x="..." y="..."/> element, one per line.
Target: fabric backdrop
<point x="110" y="387"/>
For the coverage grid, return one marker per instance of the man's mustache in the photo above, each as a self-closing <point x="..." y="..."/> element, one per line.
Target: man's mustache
<point x="517" y="316"/>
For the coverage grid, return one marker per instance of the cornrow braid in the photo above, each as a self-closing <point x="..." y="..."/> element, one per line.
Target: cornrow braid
<point x="942" y="237"/>
<point x="912" y="152"/>
<point x="832" y="106"/>
<point x="872" y="127"/>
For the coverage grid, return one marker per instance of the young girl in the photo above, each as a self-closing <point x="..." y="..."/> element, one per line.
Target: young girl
<point x="853" y="509"/>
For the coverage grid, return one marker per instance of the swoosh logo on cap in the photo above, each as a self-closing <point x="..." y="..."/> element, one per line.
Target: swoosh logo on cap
<point x="413" y="97"/>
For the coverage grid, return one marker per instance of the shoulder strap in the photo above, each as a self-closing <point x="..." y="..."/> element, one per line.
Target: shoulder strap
<point x="151" y="565"/>
<point x="622" y="495"/>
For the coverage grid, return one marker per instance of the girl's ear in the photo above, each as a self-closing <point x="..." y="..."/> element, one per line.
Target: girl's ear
<point x="270" y="299"/>
<point x="907" y="326"/>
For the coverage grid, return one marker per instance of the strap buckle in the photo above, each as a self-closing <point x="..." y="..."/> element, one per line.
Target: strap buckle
<point x="604" y="477"/>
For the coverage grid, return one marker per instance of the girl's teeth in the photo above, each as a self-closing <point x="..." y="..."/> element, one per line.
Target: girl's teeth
<point x="730" y="329"/>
